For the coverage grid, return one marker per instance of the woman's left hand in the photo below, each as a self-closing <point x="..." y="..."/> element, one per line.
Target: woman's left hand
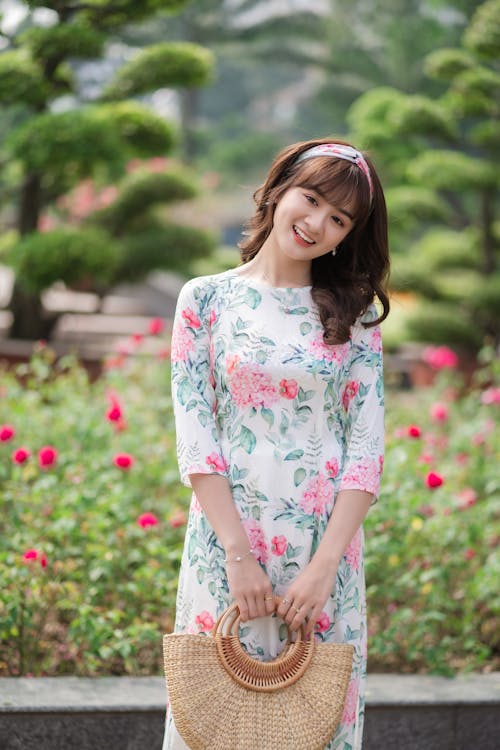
<point x="305" y="598"/>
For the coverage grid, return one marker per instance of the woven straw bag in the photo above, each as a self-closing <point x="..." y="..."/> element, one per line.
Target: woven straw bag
<point x="222" y="699"/>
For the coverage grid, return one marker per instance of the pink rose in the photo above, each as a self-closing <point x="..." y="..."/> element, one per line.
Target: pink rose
<point x="490" y="396"/>
<point x="20" y="455"/>
<point x="147" y="519"/>
<point x="251" y="386"/>
<point x="337" y="353"/>
<point x="322" y="623"/>
<point x="289" y="388"/>
<point x="332" y="467"/>
<point x="433" y="480"/>
<point x="47" y="456"/>
<point x="217" y="462"/>
<point x="35" y="555"/>
<point x="156" y="326"/>
<point x="349" y="393"/>
<point x="376" y="340"/>
<point x="191" y="318"/>
<point x="468" y="498"/>
<point x="279" y="545"/>
<point x="439" y="412"/>
<point x="414" y="431"/>
<point x="205" y="621"/>
<point x="123" y="461"/>
<point x="365" y="476"/>
<point x="7" y="432"/>
<point x="440" y="357"/>
<point x="317" y="496"/>
<point x="352" y="553"/>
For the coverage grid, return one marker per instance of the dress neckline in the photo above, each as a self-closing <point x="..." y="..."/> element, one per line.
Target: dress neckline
<point x="262" y="284"/>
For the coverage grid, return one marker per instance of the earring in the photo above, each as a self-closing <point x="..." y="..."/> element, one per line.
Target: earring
<point x="334" y="251"/>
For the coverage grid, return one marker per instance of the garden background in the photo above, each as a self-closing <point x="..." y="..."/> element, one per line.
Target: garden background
<point x="132" y="137"/>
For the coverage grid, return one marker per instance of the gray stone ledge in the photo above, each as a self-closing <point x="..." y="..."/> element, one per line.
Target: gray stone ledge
<point x="54" y="694"/>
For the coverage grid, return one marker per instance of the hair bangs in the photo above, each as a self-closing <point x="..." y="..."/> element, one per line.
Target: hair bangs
<point x="339" y="182"/>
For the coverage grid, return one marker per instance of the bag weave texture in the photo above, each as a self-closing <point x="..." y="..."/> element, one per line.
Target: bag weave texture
<point x="222" y="699"/>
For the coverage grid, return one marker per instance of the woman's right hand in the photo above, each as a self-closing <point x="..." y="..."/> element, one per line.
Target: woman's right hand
<point x="250" y="587"/>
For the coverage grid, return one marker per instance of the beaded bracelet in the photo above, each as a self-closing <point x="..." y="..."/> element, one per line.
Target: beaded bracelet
<point x="239" y="558"/>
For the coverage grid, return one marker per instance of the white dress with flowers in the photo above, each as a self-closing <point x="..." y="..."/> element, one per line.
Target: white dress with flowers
<point x="290" y="421"/>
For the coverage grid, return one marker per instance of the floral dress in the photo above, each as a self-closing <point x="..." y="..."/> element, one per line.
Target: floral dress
<point x="290" y="421"/>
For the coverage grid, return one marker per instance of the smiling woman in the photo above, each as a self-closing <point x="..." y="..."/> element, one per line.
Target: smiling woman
<point x="278" y="396"/>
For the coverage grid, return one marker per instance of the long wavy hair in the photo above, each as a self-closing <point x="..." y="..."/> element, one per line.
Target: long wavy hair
<point x="344" y="285"/>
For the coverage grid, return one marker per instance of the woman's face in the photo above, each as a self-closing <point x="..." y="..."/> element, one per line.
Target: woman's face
<point x="306" y="225"/>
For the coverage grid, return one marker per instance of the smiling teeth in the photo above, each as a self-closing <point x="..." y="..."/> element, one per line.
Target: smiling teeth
<point x="303" y="236"/>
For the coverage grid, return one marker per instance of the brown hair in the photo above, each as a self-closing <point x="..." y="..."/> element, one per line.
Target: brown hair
<point x="344" y="285"/>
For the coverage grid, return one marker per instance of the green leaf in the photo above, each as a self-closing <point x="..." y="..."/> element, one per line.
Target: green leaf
<point x="268" y="415"/>
<point x="305" y="328"/>
<point x="299" y="476"/>
<point x="294" y="455"/>
<point x="247" y="439"/>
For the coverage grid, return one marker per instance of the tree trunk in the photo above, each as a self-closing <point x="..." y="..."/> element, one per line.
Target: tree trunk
<point x="30" y="204"/>
<point x="30" y="320"/>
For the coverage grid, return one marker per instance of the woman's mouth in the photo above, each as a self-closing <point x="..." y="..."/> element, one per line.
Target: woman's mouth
<point x="301" y="237"/>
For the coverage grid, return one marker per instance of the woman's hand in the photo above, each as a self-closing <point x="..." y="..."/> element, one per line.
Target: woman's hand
<point x="250" y="587"/>
<point x="307" y="595"/>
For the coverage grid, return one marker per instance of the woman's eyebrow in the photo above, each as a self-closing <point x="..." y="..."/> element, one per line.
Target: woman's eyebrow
<point x="337" y="208"/>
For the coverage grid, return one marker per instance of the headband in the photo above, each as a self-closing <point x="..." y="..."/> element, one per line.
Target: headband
<point x="339" y="151"/>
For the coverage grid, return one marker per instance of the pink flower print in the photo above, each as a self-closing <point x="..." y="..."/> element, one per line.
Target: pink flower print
<point x="256" y="539"/>
<point x="211" y="364"/>
<point x="322" y="623"/>
<point x="279" y="545"/>
<point x="289" y="388"/>
<point x="195" y="506"/>
<point x="213" y="317"/>
<point x="317" y="496"/>
<point x="249" y="386"/>
<point x="363" y="476"/>
<point x="182" y="343"/>
<point x="191" y="317"/>
<point x="376" y="340"/>
<point x="352" y="553"/>
<point x="329" y="352"/>
<point x="351" y="703"/>
<point x="216" y="462"/>
<point x="332" y="468"/>
<point x="205" y="621"/>
<point x="350" y="392"/>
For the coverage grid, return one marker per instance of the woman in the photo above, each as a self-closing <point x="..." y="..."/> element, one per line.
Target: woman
<point x="278" y="397"/>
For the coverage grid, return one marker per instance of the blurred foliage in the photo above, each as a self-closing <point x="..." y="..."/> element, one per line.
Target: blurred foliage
<point x="101" y="591"/>
<point x="48" y="150"/>
<point x="439" y="157"/>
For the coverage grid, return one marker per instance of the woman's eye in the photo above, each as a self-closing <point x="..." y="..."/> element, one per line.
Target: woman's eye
<point x="312" y="200"/>
<point x="338" y="221"/>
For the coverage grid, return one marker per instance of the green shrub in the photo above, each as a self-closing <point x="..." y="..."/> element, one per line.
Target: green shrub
<point x="101" y="590"/>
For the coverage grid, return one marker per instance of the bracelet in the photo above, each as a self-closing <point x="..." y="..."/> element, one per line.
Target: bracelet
<point x="239" y="558"/>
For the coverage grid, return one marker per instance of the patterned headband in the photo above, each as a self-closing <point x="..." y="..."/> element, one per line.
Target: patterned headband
<point x="340" y="151"/>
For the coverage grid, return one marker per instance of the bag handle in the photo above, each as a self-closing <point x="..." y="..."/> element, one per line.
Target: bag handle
<point x="269" y="676"/>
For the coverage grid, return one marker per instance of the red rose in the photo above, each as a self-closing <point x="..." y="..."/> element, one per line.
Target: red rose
<point x="123" y="460"/>
<point x="414" y="431"/>
<point x="21" y="455"/>
<point x="34" y="555"/>
<point x="7" y="432"/>
<point x="147" y="519"/>
<point x="114" y="414"/>
<point x="439" y="412"/>
<point x="156" y="326"/>
<point x="47" y="456"/>
<point x="434" y="480"/>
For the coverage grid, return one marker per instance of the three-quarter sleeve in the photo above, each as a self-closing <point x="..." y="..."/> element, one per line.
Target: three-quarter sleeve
<point x="192" y="381"/>
<point x="363" y="403"/>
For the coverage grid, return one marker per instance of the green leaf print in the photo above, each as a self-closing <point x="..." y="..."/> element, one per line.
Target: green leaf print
<point x="212" y="588"/>
<point x="294" y="455"/>
<point x="252" y="298"/>
<point x="200" y="575"/>
<point x="283" y="632"/>
<point x="256" y="512"/>
<point x="297" y="311"/>
<point x="202" y="418"/>
<point x="247" y="439"/>
<point x="305" y="395"/>
<point x="260" y="496"/>
<point x="193" y="543"/>
<point x="244" y="632"/>
<point x="268" y="342"/>
<point x="305" y="328"/>
<point x="261" y="356"/>
<point x="239" y="473"/>
<point x="268" y="415"/>
<point x="293" y="551"/>
<point x="184" y="391"/>
<point x="192" y="405"/>
<point x="299" y="476"/>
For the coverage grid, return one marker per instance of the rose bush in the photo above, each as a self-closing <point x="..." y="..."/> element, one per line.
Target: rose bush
<point x="93" y="518"/>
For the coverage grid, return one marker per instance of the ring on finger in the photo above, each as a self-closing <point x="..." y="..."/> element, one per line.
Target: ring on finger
<point x="268" y="598"/>
<point x="297" y="609"/>
<point x="285" y="601"/>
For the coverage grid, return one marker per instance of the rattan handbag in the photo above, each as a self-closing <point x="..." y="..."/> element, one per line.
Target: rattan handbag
<point x="222" y="699"/>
